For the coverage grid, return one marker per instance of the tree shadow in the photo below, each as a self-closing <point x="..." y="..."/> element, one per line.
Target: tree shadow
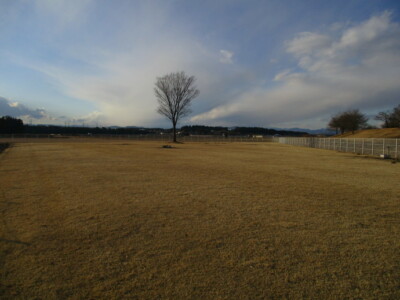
<point x="14" y="242"/>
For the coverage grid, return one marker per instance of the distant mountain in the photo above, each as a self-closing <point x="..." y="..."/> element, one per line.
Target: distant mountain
<point x="310" y="131"/>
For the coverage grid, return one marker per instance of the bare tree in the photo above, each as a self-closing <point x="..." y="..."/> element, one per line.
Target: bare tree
<point x="175" y="92"/>
<point x="390" y="119"/>
<point x="385" y="117"/>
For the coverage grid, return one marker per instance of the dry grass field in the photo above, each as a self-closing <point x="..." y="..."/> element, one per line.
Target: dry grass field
<point x="131" y="220"/>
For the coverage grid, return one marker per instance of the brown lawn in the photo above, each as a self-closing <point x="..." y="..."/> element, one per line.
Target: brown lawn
<point x="206" y="221"/>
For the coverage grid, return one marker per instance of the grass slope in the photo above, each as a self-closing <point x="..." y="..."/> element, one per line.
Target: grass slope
<point x="372" y="133"/>
<point x="210" y="221"/>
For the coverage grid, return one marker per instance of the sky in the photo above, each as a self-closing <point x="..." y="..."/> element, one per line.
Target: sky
<point x="269" y="63"/>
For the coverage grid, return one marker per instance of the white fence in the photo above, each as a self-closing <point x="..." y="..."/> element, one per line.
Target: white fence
<point x="375" y="147"/>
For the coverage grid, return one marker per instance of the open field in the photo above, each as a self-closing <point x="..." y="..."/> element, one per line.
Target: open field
<point x="132" y="220"/>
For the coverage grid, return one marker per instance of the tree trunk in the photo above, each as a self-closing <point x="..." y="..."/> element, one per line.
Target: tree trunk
<point x="174" y="132"/>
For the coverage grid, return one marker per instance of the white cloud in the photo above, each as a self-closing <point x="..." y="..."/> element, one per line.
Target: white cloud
<point x="282" y="75"/>
<point x="360" y="68"/>
<point x="307" y="43"/>
<point x="367" y="32"/>
<point x="226" y="56"/>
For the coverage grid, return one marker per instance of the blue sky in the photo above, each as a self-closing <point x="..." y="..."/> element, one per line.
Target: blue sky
<point x="257" y="63"/>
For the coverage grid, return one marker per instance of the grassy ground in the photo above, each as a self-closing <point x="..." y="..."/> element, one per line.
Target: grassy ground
<point x="208" y="221"/>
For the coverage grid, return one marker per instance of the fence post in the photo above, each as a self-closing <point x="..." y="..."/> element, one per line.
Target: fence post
<point x="354" y="146"/>
<point x="397" y="151"/>
<point x="372" y="146"/>
<point x="383" y="146"/>
<point x="362" y="147"/>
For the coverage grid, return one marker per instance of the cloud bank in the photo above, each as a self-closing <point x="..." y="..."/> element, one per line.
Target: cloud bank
<point x="17" y="110"/>
<point x="358" y="67"/>
<point x="41" y="116"/>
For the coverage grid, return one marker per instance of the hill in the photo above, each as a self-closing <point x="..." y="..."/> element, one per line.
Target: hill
<point x="372" y="133"/>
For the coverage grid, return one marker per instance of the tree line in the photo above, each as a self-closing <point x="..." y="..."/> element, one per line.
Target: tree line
<point x="236" y="131"/>
<point x="9" y="125"/>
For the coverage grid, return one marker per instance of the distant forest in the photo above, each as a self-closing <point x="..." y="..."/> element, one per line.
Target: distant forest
<point x="9" y="125"/>
<point x="232" y="131"/>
